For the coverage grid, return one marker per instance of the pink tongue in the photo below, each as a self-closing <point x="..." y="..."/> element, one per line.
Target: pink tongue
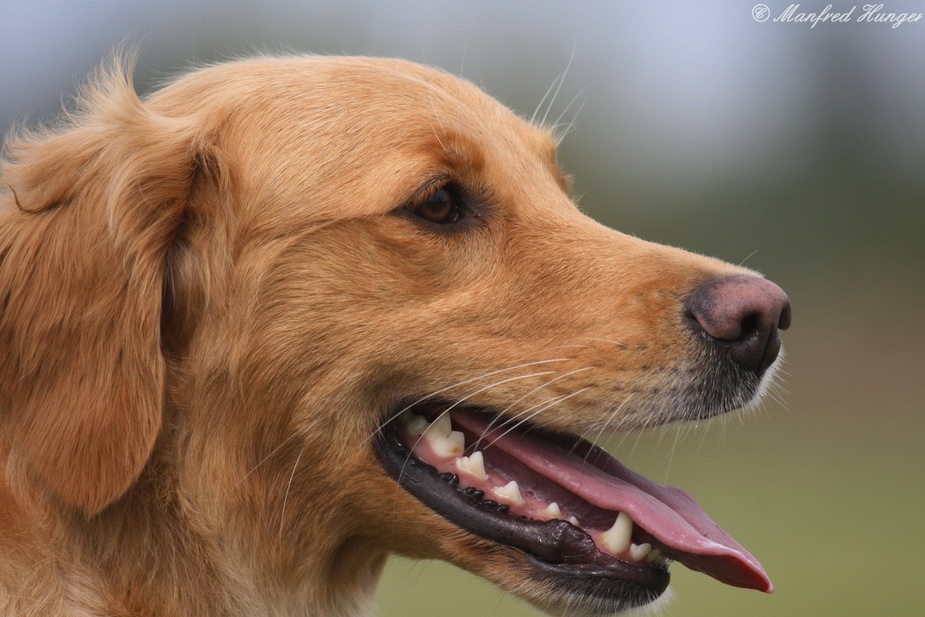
<point x="667" y="513"/>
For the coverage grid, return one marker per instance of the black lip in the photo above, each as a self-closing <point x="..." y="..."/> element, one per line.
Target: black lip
<point x="559" y="553"/>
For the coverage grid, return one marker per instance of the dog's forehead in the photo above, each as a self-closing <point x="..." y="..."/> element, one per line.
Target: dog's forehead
<point x="395" y="103"/>
<point x="357" y="124"/>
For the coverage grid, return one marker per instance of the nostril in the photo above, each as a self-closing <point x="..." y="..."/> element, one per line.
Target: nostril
<point x="750" y="325"/>
<point x="741" y="316"/>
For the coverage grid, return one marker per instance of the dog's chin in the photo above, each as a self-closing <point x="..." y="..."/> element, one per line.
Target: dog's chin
<point x="582" y="534"/>
<point x="569" y="603"/>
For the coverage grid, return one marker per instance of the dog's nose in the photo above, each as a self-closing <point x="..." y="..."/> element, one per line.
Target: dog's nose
<point x="742" y="315"/>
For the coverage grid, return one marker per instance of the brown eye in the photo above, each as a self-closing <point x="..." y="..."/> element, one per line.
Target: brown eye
<point x="441" y="208"/>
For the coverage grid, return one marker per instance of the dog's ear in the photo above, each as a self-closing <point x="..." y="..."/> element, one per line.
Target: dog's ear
<point x="91" y="211"/>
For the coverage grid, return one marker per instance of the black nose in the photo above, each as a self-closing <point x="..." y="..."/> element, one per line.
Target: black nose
<point x="742" y="315"/>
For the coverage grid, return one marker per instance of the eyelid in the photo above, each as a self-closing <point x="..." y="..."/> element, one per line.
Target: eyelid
<point x="429" y="190"/>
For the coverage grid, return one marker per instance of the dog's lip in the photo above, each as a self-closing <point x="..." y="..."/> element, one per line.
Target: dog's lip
<point x="669" y="517"/>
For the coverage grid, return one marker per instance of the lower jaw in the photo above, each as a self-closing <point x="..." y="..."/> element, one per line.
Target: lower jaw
<point x="572" y="591"/>
<point x="561" y="558"/>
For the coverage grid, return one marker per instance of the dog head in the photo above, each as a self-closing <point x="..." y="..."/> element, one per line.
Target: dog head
<point x="311" y="289"/>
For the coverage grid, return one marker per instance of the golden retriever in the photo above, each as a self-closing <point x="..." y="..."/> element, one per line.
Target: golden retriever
<point x="287" y="316"/>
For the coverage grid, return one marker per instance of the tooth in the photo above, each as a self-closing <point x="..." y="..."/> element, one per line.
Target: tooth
<point x="510" y="492"/>
<point x="573" y="521"/>
<point x="446" y="446"/>
<point x="551" y="511"/>
<point x="617" y="538"/>
<point x="653" y="555"/>
<point x="441" y="426"/>
<point x="639" y="551"/>
<point x="473" y="465"/>
<point x="416" y="425"/>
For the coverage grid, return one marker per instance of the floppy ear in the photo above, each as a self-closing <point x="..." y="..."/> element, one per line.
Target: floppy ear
<point x="89" y="214"/>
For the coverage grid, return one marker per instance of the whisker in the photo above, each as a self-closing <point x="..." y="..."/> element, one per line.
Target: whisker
<point x="750" y="255"/>
<point x="604" y="340"/>
<point x="262" y="461"/>
<point x="440" y="122"/>
<point x="553" y="402"/>
<point x="503" y="412"/>
<point x="639" y="435"/>
<point x="610" y="418"/>
<point x="433" y="108"/>
<point x="774" y="396"/>
<point x="282" y="516"/>
<point x="703" y="435"/>
<point x="462" y="64"/>
<point x="623" y="439"/>
<point x="559" y="87"/>
<point x="564" y="111"/>
<point x="462" y="383"/>
<point x="545" y="96"/>
<point x="488" y="387"/>
<point x="674" y="447"/>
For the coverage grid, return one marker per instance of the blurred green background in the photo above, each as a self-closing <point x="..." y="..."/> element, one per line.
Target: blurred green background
<point x="796" y="150"/>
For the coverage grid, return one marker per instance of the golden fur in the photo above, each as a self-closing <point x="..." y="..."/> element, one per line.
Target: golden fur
<point x="210" y="297"/>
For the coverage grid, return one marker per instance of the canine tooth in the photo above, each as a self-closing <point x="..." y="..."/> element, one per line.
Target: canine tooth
<point x="473" y="465"/>
<point x="510" y="492"/>
<point x="416" y="424"/>
<point x="638" y="552"/>
<point x="552" y="511"/>
<point x="617" y="538"/>
<point x="446" y="446"/>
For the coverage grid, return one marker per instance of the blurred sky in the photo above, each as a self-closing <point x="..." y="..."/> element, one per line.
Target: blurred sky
<point x="797" y="150"/>
<point x="672" y="79"/>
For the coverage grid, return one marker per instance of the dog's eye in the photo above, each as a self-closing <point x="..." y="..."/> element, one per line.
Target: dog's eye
<point x="441" y="208"/>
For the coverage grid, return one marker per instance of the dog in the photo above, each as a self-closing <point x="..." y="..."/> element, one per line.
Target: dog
<point x="287" y="316"/>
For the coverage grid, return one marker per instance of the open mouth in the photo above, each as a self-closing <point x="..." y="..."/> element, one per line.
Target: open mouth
<point x="585" y="523"/>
